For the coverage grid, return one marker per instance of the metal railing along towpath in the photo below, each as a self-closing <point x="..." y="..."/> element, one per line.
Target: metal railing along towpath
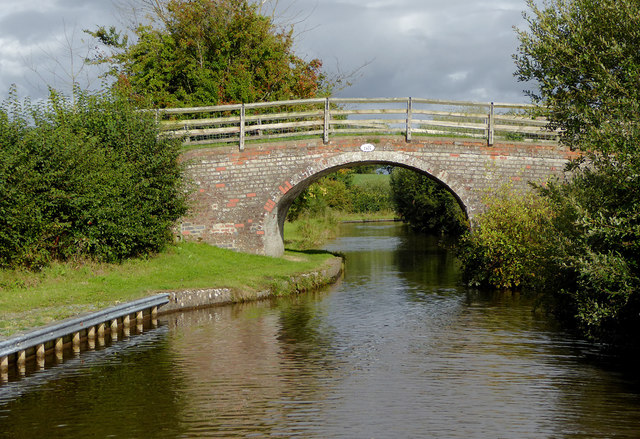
<point x="17" y="351"/>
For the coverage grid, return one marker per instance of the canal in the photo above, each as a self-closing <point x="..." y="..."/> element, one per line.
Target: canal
<point x="397" y="349"/>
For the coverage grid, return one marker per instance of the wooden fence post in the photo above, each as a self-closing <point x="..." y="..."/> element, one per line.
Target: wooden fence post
<point x="59" y="348"/>
<point x="4" y="369"/>
<point x="409" y="117"/>
<point x="40" y="351"/>
<point x="76" y="342"/>
<point x="325" y="130"/>
<point x="114" y="330"/>
<point x="91" y="338"/>
<point x="22" y="363"/>
<point x="187" y="136"/>
<point x="490" y="125"/>
<point x="242" y="114"/>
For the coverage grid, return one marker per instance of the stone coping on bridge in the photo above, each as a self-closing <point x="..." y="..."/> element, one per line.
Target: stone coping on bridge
<point x="501" y="145"/>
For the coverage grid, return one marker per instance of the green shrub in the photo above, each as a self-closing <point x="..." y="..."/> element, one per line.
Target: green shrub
<point x="509" y="245"/>
<point x="371" y="196"/>
<point x="84" y="179"/>
<point x="576" y="243"/>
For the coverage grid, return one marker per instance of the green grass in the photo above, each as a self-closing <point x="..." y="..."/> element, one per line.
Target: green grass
<point x="377" y="179"/>
<point x="311" y="231"/>
<point x="63" y="290"/>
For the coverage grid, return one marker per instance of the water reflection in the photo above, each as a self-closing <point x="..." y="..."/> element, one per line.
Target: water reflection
<point x="110" y="393"/>
<point x="397" y="349"/>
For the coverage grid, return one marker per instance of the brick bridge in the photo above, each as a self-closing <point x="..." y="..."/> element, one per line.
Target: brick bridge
<point x="241" y="198"/>
<point x="242" y="192"/>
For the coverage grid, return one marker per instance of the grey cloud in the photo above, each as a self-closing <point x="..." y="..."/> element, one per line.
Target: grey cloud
<point x="39" y="55"/>
<point x="454" y="49"/>
<point x="28" y="27"/>
<point x="38" y="25"/>
<point x="457" y="36"/>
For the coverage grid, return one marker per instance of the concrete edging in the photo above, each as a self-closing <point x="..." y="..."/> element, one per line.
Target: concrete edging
<point x="201" y="298"/>
<point x="37" y="343"/>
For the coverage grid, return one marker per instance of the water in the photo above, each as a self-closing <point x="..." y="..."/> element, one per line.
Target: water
<point x="396" y="349"/>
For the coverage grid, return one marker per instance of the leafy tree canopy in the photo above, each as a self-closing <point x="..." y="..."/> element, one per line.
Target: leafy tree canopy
<point x="583" y="56"/>
<point x="208" y="52"/>
<point x="426" y="204"/>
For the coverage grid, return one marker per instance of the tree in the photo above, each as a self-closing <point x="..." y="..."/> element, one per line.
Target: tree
<point x="207" y="52"/>
<point x="596" y="242"/>
<point x="583" y="56"/>
<point x="425" y="204"/>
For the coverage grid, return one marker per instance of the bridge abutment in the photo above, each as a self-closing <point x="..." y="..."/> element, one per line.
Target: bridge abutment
<point x="240" y="198"/>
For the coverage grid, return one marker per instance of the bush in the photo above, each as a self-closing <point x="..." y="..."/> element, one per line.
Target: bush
<point x="84" y="179"/>
<point x="576" y="243"/>
<point x="371" y="196"/>
<point x="509" y="245"/>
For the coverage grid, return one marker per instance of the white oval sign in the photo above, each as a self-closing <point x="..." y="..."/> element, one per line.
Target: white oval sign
<point x="367" y="147"/>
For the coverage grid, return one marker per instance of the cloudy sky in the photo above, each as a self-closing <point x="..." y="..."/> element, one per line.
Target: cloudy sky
<point x="445" y="49"/>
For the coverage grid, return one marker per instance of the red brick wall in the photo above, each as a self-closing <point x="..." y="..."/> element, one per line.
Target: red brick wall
<point x="240" y="197"/>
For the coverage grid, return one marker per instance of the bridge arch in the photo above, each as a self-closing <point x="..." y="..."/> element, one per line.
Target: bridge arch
<point x="241" y="197"/>
<point x="273" y="224"/>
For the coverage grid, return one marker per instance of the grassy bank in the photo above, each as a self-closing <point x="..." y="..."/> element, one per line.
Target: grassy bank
<point x="312" y="231"/>
<point x="28" y="299"/>
<point x="317" y="224"/>
<point x="363" y="180"/>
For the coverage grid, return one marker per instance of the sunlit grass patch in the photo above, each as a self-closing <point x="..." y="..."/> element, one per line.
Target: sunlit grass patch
<point x="62" y="290"/>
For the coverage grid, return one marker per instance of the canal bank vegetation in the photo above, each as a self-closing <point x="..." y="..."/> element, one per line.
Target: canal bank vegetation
<point x="576" y="242"/>
<point x="64" y="289"/>
<point x="426" y="205"/>
<point x="509" y="247"/>
<point x="89" y="196"/>
<point x="85" y="177"/>
<point x="361" y="193"/>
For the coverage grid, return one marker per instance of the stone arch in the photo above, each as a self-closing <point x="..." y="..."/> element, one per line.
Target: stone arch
<point x="273" y="223"/>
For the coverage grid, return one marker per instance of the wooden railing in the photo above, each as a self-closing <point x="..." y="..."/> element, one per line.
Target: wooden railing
<point x="409" y="117"/>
